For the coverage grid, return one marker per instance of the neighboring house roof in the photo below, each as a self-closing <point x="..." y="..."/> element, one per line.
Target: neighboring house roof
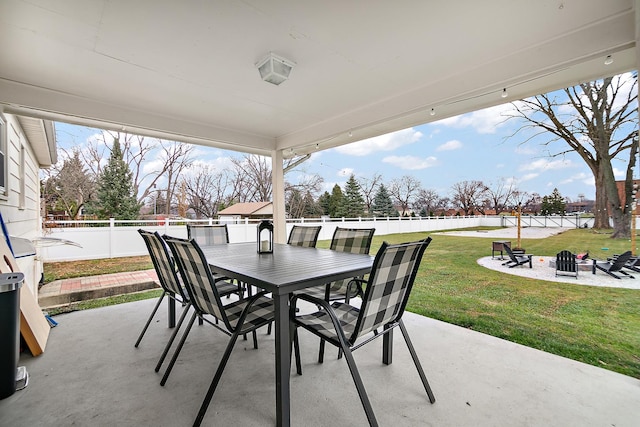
<point x="251" y="208"/>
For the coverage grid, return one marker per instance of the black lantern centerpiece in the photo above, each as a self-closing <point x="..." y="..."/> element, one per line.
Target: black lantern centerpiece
<point x="265" y="237"/>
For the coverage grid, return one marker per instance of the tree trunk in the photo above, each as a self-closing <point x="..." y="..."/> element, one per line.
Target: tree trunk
<point x="601" y="209"/>
<point x="619" y="213"/>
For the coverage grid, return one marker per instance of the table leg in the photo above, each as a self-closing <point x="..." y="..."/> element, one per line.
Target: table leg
<point x="283" y="360"/>
<point x="172" y="313"/>
<point x="387" y="347"/>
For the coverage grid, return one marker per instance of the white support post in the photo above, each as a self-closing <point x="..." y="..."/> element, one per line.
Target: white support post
<point x="279" y="215"/>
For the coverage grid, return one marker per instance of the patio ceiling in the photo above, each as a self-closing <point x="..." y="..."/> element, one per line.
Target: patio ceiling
<point x="185" y="70"/>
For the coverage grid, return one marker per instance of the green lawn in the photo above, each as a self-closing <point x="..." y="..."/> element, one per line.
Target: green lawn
<point x="599" y="326"/>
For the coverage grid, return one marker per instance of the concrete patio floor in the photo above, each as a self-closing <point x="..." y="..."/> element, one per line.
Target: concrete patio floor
<point x="91" y="375"/>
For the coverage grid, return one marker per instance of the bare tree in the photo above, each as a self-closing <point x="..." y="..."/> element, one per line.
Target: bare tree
<point x="252" y="179"/>
<point x="206" y="189"/>
<point x="530" y="202"/>
<point x="427" y="200"/>
<point x="176" y="158"/>
<point x="599" y="121"/>
<point x="442" y="204"/>
<point x="136" y="150"/>
<point x="469" y="196"/>
<point x="368" y="189"/>
<point x="500" y="194"/>
<point x="69" y="186"/>
<point x="404" y="190"/>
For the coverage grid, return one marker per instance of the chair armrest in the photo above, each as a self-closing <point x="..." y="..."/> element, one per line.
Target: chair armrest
<point x="358" y="282"/>
<point x="313" y="300"/>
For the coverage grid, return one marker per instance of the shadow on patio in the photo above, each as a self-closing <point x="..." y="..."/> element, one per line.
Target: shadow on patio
<point x="90" y="374"/>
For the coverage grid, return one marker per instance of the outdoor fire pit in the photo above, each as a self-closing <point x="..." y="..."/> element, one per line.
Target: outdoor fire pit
<point x="583" y="265"/>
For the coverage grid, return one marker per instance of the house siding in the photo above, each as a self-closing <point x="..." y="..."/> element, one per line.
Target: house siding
<point x="20" y="205"/>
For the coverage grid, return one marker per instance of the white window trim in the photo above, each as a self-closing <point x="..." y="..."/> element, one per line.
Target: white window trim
<point x="4" y="158"/>
<point x="23" y="178"/>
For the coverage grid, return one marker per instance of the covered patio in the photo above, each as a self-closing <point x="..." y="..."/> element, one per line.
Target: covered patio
<point x="188" y="71"/>
<point x="91" y="374"/>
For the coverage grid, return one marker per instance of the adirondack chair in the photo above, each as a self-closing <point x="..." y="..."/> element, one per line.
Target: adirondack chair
<point x="516" y="260"/>
<point x="566" y="264"/>
<point x="632" y="264"/>
<point x="614" y="266"/>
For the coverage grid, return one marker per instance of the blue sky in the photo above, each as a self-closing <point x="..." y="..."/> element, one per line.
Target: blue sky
<point x="474" y="146"/>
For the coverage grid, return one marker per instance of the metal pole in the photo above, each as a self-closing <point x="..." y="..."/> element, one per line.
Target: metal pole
<point x="633" y="219"/>
<point x="519" y="223"/>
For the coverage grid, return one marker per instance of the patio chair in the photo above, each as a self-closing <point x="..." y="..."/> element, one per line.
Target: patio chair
<point x="566" y="264"/>
<point x="206" y="235"/>
<point x="351" y="240"/>
<point x="383" y="304"/>
<point x="516" y="260"/>
<point x="304" y="236"/>
<point x="632" y="264"/>
<point x="614" y="266"/>
<point x="237" y="318"/>
<point x="171" y="286"/>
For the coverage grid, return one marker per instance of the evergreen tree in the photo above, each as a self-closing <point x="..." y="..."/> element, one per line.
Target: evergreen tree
<point x="324" y="203"/>
<point x="115" y="195"/>
<point x="553" y="204"/>
<point x="311" y="207"/>
<point x="382" y="204"/>
<point x="335" y="202"/>
<point x="353" y="202"/>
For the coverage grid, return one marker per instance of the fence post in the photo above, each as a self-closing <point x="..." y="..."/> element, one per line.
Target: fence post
<point x="112" y="225"/>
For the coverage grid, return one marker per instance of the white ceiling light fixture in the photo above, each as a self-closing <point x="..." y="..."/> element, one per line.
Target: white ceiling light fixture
<point x="504" y="93"/>
<point x="608" y="60"/>
<point x="275" y="69"/>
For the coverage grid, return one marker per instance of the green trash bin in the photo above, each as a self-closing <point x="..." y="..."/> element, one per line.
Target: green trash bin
<point x="10" y="284"/>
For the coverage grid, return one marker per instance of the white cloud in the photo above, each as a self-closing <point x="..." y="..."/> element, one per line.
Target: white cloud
<point x="411" y="162"/>
<point x="528" y="177"/>
<point x="483" y="121"/>
<point x="345" y="172"/>
<point x="619" y="173"/>
<point x="526" y="151"/>
<point x="582" y="177"/>
<point x="454" y="144"/>
<point x="388" y="142"/>
<point x="546" y="164"/>
<point x="328" y="186"/>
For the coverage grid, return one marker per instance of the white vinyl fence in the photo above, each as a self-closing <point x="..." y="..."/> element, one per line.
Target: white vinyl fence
<point x="112" y="239"/>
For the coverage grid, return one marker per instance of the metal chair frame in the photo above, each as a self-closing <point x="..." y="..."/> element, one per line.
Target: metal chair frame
<point x="239" y="317"/>
<point x="383" y="305"/>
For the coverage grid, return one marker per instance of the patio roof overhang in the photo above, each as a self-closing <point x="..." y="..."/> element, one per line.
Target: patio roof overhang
<point x="186" y="70"/>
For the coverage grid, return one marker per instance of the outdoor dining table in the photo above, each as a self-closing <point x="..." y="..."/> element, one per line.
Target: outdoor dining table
<point x="287" y="269"/>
